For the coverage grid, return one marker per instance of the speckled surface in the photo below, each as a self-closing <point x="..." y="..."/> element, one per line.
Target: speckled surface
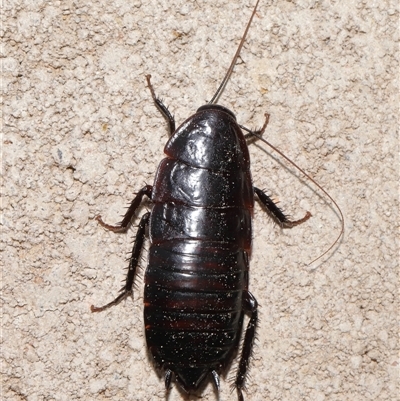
<point x="81" y="135"/>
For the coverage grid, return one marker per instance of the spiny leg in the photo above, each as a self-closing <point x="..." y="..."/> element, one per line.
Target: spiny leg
<point x="161" y="106"/>
<point x="134" y="260"/>
<point x="276" y="213"/>
<point x="254" y="134"/>
<point x="272" y="209"/>
<point x="249" y="305"/>
<point x="168" y="377"/>
<point x="126" y="221"/>
<point x="215" y="377"/>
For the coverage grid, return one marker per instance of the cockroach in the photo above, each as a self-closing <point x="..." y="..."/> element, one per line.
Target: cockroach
<point x="196" y="282"/>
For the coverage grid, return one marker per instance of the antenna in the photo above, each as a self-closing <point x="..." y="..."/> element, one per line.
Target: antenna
<point x="258" y="134"/>
<point x="234" y="60"/>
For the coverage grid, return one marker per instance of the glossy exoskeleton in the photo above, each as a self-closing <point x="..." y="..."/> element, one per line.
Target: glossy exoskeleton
<point x="196" y="281"/>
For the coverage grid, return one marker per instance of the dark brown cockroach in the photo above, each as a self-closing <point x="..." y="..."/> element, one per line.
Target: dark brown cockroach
<point x="196" y="281"/>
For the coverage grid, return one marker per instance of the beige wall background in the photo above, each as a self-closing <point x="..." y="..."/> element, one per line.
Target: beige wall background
<point x="81" y="135"/>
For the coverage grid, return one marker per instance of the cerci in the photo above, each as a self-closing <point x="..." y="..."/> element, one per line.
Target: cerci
<point x="196" y="281"/>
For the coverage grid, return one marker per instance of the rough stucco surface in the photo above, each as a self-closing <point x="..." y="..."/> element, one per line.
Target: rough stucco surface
<point x="81" y="135"/>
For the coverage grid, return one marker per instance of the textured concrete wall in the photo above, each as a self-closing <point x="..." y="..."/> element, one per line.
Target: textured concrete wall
<point x="81" y="135"/>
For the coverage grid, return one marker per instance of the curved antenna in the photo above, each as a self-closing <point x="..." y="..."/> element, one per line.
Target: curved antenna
<point x="258" y="134"/>
<point x="234" y="60"/>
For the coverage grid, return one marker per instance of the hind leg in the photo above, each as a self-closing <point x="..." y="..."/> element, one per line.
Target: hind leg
<point x="249" y="305"/>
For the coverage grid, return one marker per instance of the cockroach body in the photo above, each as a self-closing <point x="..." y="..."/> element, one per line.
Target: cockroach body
<point x="196" y="281"/>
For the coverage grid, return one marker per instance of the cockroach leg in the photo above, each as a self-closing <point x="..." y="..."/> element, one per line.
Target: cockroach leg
<point x="276" y="213"/>
<point x="133" y="262"/>
<point x="249" y="305"/>
<point x="126" y="221"/>
<point x="162" y="107"/>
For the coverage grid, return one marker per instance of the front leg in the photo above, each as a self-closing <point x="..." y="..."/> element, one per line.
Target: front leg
<point x="272" y="209"/>
<point x="162" y="107"/>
